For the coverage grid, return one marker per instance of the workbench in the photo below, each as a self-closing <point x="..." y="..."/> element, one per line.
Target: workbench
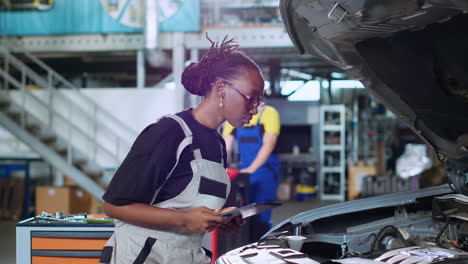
<point x="40" y="241"/>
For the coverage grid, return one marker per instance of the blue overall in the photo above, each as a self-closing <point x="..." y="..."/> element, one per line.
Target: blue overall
<point x="264" y="181"/>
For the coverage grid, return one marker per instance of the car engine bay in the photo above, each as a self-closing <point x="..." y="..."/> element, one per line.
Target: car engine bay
<point x="428" y="226"/>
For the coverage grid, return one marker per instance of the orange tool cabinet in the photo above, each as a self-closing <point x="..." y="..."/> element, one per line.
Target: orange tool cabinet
<point x="42" y="242"/>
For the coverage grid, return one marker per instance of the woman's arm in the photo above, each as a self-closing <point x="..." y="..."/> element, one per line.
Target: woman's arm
<point x="199" y="219"/>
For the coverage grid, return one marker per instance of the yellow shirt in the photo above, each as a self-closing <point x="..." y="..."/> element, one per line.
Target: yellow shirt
<point x="270" y="121"/>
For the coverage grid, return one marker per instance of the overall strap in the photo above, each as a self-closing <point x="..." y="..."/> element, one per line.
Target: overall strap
<point x="182" y="124"/>
<point x="183" y="144"/>
<point x="257" y="126"/>
<point x="188" y="133"/>
<point x="220" y="146"/>
<point x="260" y="116"/>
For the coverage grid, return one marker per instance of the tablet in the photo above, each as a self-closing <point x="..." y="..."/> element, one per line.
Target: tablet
<point x="251" y="209"/>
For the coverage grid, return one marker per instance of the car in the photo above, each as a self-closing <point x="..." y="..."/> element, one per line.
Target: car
<point x="411" y="55"/>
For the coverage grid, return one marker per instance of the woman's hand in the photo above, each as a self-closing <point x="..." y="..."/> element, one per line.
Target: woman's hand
<point x="224" y="210"/>
<point x="234" y="221"/>
<point x="232" y="226"/>
<point x="203" y="219"/>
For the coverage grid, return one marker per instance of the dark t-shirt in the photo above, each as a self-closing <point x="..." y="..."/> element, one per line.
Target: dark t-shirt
<point x="152" y="157"/>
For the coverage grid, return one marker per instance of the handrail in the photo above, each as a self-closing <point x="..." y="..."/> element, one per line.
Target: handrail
<point x="71" y="86"/>
<point x="35" y="77"/>
<point x="12" y="80"/>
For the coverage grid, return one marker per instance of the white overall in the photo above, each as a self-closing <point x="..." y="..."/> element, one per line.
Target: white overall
<point x="135" y="244"/>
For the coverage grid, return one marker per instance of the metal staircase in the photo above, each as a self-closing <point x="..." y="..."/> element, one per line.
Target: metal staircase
<point x="64" y="126"/>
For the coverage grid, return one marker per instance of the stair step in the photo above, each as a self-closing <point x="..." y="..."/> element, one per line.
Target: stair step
<point x="79" y="162"/>
<point x="4" y="104"/>
<point x="33" y="128"/>
<point x="47" y="139"/>
<point x="95" y="174"/>
<point x="15" y="116"/>
<point x="61" y="150"/>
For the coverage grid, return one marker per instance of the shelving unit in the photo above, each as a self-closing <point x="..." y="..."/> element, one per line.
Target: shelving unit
<point x="332" y="152"/>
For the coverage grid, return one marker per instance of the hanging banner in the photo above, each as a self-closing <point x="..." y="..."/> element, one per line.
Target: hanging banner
<point x="61" y="17"/>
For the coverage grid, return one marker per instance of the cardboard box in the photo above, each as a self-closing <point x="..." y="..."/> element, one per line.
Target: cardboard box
<point x="356" y="174"/>
<point x="70" y="200"/>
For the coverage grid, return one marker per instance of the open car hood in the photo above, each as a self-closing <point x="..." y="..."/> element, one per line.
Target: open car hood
<point x="412" y="55"/>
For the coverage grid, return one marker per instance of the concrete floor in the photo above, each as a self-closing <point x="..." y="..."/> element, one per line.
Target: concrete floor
<point x="289" y="208"/>
<point x="7" y="242"/>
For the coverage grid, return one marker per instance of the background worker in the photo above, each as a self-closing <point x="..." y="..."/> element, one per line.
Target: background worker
<point x="256" y="144"/>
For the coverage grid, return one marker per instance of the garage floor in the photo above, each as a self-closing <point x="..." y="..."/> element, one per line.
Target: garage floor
<point x="7" y="242"/>
<point x="8" y="237"/>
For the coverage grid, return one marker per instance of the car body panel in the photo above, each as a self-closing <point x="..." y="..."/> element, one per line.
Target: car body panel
<point x="382" y="201"/>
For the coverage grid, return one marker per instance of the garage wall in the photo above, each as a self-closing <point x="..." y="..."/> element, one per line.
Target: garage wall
<point x="135" y="107"/>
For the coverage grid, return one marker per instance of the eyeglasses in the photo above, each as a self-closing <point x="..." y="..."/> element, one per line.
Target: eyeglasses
<point x="252" y="102"/>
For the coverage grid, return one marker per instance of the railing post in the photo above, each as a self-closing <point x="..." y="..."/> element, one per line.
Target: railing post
<point x="23" y="98"/>
<point x="94" y="143"/>
<point x="178" y="59"/>
<point x="140" y="69"/>
<point x="50" y="97"/>
<point x="69" y="153"/>
<point x="194" y="56"/>
<point x="69" y="146"/>
<point x="7" y="69"/>
<point x="58" y="177"/>
<point x="49" y="79"/>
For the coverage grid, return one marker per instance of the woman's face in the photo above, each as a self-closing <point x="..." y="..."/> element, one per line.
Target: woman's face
<point x="242" y="94"/>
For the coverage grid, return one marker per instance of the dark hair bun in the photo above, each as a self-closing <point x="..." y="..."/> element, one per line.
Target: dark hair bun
<point x="221" y="60"/>
<point x="192" y="79"/>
